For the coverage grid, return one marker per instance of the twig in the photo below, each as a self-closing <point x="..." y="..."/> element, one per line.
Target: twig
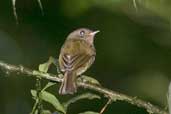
<point x="15" y="11"/>
<point x="38" y="89"/>
<point x="41" y="6"/>
<point x="38" y="101"/>
<point x="105" y="106"/>
<point x="112" y="94"/>
<point x="34" y="107"/>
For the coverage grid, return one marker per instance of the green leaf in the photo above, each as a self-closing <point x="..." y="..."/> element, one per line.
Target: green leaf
<point x="50" y="98"/>
<point x="89" y="79"/>
<point x="36" y="111"/>
<point x="46" y="112"/>
<point x="89" y="112"/>
<point x="45" y="66"/>
<point x="49" y="84"/>
<point x="79" y="97"/>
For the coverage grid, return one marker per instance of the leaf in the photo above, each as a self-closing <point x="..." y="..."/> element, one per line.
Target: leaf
<point x="89" y="79"/>
<point x="36" y="111"/>
<point x="45" y="66"/>
<point x="50" y="98"/>
<point x="89" y="112"/>
<point x="79" y="97"/>
<point x="49" y="84"/>
<point x="46" y="112"/>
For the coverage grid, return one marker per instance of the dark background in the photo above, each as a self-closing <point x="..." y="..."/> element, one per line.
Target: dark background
<point x="133" y="49"/>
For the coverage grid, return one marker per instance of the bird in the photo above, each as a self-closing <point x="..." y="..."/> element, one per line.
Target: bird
<point x="76" y="55"/>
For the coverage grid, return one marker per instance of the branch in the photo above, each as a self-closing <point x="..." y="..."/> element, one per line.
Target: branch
<point x="105" y="106"/>
<point x="112" y="94"/>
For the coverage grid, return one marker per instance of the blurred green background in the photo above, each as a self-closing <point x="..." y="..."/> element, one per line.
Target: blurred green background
<point x="133" y="49"/>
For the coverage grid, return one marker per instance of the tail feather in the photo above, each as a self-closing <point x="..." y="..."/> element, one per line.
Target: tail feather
<point x="68" y="85"/>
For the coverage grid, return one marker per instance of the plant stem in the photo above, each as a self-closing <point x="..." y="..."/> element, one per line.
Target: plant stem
<point x="106" y="92"/>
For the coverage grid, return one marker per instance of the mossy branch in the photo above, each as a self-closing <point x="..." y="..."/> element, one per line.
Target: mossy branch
<point x="106" y="92"/>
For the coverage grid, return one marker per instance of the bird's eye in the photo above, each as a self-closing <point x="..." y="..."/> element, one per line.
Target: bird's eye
<point x="82" y="33"/>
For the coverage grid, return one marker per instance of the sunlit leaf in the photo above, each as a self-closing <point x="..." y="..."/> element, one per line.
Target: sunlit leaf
<point x="50" y="98"/>
<point x="36" y="111"/>
<point x="45" y="66"/>
<point x="49" y="84"/>
<point x="46" y="112"/>
<point x="89" y="112"/>
<point x="89" y="79"/>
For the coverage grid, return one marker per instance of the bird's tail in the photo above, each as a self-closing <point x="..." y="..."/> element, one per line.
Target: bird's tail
<point x="68" y="85"/>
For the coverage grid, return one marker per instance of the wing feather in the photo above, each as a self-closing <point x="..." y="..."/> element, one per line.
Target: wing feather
<point x="73" y="57"/>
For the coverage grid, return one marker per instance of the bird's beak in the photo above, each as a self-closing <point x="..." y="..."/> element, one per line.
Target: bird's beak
<point x="95" y="32"/>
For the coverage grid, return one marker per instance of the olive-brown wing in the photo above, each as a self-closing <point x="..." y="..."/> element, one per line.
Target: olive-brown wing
<point x="69" y="62"/>
<point x="75" y="54"/>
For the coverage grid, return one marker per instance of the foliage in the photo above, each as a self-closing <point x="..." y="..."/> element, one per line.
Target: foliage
<point x="134" y="53"/>
<point x="52" y="99"/>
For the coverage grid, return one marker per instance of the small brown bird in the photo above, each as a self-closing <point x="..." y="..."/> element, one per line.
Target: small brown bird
<point x="76" y="56"/>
